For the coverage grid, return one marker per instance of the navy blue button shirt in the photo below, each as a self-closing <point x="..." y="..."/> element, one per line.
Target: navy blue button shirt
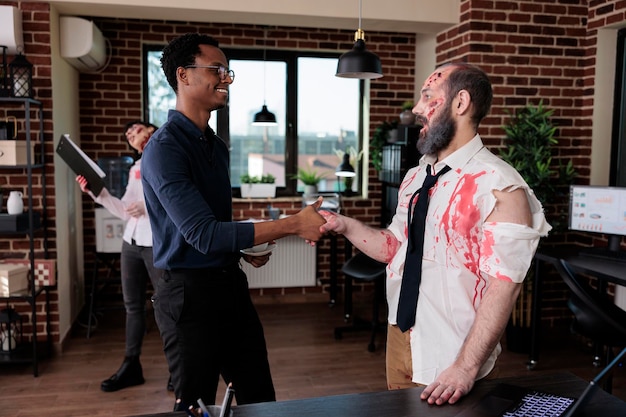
<point x="185" y="175"/>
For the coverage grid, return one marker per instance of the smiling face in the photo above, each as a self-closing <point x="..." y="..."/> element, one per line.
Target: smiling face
<point x="434" y="112"/>
<point x="205" y="87"/>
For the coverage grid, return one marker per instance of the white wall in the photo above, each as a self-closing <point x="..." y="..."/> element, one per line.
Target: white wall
<point x="69" y="214"/>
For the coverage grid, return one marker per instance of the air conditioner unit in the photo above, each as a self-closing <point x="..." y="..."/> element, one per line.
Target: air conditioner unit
<point x="82" y="44"/>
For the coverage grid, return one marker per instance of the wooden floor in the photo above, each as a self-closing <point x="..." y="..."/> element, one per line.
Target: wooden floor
<point x="306" y="362"/>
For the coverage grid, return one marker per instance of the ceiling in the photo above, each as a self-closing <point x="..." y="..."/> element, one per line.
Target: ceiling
<point x="412" y="16"/>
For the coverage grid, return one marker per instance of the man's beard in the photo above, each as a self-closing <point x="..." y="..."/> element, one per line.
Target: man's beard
<point x="440" y="132"/>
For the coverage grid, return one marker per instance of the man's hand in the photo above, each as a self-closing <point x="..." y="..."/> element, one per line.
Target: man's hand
<point x="334" y="222"/>
<point x="449" y="387"/>
<point x="310" y="222"/>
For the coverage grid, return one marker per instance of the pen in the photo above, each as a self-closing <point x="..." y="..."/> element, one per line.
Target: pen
<point x="203" y="407"/>
<point x="228" y="399"/>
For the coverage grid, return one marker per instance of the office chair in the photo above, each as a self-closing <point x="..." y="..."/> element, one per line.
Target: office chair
<point x="365" y="269"/>
<point x="595" y="315"/>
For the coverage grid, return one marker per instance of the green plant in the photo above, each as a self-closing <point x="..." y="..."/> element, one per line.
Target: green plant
<point x="308" y="176"/>
<point x="408" y="105"/>
<point x="528" y="148"/>
<point x="354" y="155"/>
<point x="379" y="138"/>
<point x="255" y="179"/>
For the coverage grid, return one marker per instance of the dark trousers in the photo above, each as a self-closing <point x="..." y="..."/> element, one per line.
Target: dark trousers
<point x="209" y="328"/>
<point x="136" y="269"/>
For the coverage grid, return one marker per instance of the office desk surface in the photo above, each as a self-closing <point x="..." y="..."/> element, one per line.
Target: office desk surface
<point x="406" y="403"/>
<point x="604" y="268"/>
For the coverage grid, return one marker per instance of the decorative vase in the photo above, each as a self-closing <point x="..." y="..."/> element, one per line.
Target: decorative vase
<point x="15" y="205"/>
<point x="407" y="118"/>
<point x="310" y="189"/>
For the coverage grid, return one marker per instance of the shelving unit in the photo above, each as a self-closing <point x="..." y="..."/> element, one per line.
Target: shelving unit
<point x="398" y="157"/>
<point x="35" y="223"/>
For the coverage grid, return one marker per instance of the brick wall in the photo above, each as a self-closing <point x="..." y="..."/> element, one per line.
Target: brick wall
<point x="532" y="49"/>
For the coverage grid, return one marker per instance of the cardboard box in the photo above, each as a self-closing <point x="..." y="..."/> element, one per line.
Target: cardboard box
<point x="13" y="152"/>
<point x="45" y="270"/>
<point x="13" y="278"/>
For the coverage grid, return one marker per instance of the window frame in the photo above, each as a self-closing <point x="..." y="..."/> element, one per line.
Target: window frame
<point x="290" y="57"/>
<point x="617" y="175"/>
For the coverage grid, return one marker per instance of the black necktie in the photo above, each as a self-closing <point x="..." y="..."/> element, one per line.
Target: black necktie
<point x="412" y="276"/>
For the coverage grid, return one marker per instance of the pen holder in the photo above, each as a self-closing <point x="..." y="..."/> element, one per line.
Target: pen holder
<point x="216" y="411"/>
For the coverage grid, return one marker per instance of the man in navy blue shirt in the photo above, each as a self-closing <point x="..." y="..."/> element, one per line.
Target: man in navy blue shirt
<point x="203" y="308"/>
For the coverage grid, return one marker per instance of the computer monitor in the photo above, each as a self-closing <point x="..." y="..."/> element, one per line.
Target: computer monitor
<point x="599" y="209"/>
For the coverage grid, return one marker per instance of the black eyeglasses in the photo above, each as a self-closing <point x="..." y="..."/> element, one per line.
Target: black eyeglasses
<point x="222" y="71"/>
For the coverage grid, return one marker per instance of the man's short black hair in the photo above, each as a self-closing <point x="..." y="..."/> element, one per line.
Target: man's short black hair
<point x="181" y="52"/>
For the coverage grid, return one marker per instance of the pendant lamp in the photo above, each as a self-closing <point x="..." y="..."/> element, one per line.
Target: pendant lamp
<point x="264" y="117"/>
<point x="359" y="62"/>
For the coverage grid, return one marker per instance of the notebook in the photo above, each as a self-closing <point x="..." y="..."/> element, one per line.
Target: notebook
<point x="512" y="401"/>
<point x="81" y="164"/>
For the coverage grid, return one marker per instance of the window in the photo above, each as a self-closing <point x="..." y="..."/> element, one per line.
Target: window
<point x="618" y="162"/>
<point x="318" y="115"/>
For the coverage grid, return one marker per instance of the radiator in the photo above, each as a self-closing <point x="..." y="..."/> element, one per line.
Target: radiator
<point x="292" y="265"/>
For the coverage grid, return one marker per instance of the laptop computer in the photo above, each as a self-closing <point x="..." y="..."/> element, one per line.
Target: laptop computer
<point x="512" y="401"/>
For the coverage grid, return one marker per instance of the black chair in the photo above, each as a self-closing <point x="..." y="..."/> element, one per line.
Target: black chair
<point x="364" y="269"/>
<point x="595" y="315"/>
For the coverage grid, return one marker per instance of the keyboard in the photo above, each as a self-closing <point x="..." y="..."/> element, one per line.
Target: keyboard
<point x="539" y="404"/>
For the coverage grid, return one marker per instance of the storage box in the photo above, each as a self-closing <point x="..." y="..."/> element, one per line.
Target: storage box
<point x="13" y="152"/>
<point x="45" y="270"/>
<point x="13" y="278"/>
<point x="18" y="222"/>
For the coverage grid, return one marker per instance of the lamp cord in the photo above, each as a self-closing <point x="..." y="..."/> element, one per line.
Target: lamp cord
<point x="264" y="63"/>
<point x="360" y="8"/>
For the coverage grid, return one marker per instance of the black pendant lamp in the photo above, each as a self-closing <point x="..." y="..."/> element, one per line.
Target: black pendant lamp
<point x="359" y="62"/>
<point x="264" y="117"/>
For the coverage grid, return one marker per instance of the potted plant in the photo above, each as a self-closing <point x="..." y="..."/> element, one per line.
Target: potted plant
<point x="407" y="117"/>
<point x="310" y="178"/>
<point x="253" y="186"/>
<point x="529" y="149"/>
<point x="382" y="134"/>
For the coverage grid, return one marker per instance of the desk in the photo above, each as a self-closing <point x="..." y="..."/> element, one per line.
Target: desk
<point x="606" y="270"/>
<point x="406" y="403"/>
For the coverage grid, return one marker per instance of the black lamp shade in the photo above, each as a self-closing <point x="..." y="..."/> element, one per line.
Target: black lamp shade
<point x="359" y="63"/>
<point x="345" y="169"/>
<point x="21" y="77"/>
<point x="264" y="118"/>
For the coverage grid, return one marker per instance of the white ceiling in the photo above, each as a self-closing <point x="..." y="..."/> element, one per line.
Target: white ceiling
<point x="412" y="16"/>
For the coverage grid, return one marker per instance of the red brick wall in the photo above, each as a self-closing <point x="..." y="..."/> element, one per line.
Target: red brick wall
<point x="532" y="49"/>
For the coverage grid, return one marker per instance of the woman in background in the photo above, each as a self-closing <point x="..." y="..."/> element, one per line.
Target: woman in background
<point x="136" y="259"/>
